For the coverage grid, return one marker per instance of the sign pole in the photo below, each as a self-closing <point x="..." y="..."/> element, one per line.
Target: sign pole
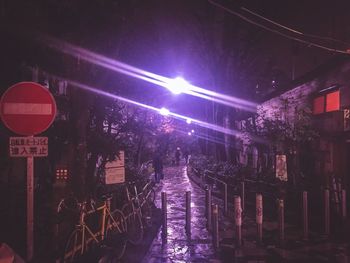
<point x="30" y="206"/>
<point x="30" y="210"/>
<point x="28" y="108"/>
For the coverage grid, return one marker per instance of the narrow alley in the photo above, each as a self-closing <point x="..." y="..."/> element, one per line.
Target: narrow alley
<point x="178" y="246"/>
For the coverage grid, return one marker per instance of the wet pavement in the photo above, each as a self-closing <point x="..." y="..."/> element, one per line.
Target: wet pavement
<point x="180" y="247"/>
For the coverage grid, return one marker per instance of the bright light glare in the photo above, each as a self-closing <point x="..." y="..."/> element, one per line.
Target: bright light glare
<point x="178" y="86"/>
<point x="192" y="131"/>
<point x="189" y="133"/>
<point x="188" y="121"/>
<point x="164" y="111"/>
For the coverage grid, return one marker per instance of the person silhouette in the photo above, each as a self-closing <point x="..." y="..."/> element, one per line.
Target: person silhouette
<point x="177" y="156"/>
<point x="186" y="155"/>
<point x="158" y="167"/>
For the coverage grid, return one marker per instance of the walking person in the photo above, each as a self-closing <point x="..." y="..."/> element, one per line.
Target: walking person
<point x="158" y="167"/>
<point x="177" y="156"/>
<point x="186" y="155"/>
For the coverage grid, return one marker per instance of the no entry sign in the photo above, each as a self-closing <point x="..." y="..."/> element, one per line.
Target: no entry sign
<point x="27" y="108"/>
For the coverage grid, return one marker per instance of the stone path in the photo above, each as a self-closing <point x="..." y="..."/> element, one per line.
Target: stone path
<point x="178" y="245"/>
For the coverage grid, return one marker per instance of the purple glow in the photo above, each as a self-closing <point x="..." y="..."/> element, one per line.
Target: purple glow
<point x="189" y="133"/>
<point x="164" y="111"/>
<point x="188" y="121"/>
<point x="192" y="131"/>
<point x="148" y="76"/>
<point x="178" y="86"/>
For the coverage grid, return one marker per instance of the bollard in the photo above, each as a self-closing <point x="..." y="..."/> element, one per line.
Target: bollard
<point x="281" y="220"/>
<point x="243" y="195"/>
<point x="238" y="220"/>
<point x="326" y="213"/>
<point x="305" y="217"/>
<point x="164" y="214"/>
<point x="215" y="217"/>
<point x="188" y="212"/>
<point x="343" y="204"/>
<point x="259" y="217"/>
<point x="225" y="199"/>
<point x="208" y="207"/>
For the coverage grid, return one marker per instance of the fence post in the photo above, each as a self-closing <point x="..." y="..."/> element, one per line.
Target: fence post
<point x="343" y="204"/>
<point x="238" y="220"/>
<point x="215" y="217"/>
<point x="259" y="217"/>
<point x="188" y="212"/>
<point x="243" y="195"/>
<point x="208" y="207"/>
<point x="326" y="213"/>
<point x="305" y="217"/>
<point x="225" y="199"/>
<point x="164" y="214"/>
<point x="281" y="220"/>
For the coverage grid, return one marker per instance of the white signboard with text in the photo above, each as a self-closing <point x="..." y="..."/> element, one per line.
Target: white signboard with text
<point x="28" y="146"/>
<point x="115" y="170"/>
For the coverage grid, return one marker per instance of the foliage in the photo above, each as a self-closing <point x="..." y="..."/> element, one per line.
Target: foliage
<point x="282" y="128"/>
<point x="225" y="171"/>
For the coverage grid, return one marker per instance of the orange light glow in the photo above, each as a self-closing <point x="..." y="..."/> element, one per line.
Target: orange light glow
<point x="333" y="101"/>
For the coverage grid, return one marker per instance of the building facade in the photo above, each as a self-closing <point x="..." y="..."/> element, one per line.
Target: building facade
<point x="309" y="122"/>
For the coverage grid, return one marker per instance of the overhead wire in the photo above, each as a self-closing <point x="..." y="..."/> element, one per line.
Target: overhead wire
<point x="309" y="43"/>
<point x="294" y="30"/>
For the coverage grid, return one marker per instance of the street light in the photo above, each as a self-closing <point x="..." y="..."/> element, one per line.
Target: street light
<point x="164" y="111"/>
<point x="178" y="86"/>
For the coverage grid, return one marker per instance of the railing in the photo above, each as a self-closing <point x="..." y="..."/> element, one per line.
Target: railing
<point x="216" y="181"/>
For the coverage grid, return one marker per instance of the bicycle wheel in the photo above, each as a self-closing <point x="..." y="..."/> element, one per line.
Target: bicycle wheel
<point x="116" y="233"/>
<point x="73" y="248"/>
<point x="147" y="213"/>
<point x="134" y="224"/>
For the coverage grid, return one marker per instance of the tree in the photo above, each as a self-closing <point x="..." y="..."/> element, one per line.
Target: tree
<point x="285" y="126"/>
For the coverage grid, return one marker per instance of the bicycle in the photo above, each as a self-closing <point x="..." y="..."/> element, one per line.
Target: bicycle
<point x="83" y="237"/>
<point x="138" y="211"/>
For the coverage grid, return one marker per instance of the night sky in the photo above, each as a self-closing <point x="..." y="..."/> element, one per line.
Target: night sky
<point x="193" y="39"/>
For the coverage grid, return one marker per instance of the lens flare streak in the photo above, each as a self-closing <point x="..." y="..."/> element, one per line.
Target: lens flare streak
<point x="150" y="77"/>
<point x="168" y="113"/>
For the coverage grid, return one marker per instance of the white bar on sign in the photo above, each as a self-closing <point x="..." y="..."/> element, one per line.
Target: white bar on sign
<point x="27" y="108"/>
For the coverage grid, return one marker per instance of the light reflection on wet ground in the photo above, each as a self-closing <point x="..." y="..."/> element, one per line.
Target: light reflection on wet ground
<point x="179" y="246"/>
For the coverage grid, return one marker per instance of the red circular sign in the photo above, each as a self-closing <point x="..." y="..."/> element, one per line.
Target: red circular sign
<point x="27" y="108"/>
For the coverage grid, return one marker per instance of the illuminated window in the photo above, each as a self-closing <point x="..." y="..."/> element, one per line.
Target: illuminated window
<point x="318" y="106"/>
<point x="332" y="101"/>
<point x="327" y="103"/>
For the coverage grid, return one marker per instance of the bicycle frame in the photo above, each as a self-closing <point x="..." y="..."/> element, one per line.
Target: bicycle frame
<point x="87" y="235"/>
<point x="84" y="228"/>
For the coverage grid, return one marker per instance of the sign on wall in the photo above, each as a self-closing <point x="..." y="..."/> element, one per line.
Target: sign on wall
<point x="281" y="167"/>
<point x="115" y="170"/>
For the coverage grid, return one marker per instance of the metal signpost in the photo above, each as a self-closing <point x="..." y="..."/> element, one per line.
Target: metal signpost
<point x="28" y="108"/>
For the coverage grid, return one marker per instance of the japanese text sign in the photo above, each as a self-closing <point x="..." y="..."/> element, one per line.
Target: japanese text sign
<point x="28" y="146"/>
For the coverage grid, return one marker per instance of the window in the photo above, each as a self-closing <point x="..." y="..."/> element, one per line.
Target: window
<point x="332" y="101"/>
<point x="327" y="103"/>
<point x="318" y="105"/>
